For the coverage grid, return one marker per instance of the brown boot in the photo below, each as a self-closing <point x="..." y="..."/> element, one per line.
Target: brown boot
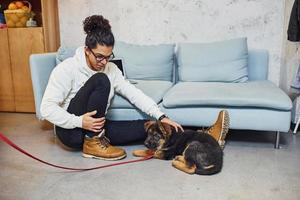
<point x="99" y="147"/>
<point x="142" y="152"/>
<point x="220" y="128"/>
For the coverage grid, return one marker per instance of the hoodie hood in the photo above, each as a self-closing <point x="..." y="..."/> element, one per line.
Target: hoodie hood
<point x="81" y="60"/>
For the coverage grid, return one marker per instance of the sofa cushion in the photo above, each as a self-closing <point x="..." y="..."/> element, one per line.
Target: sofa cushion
<point x="258" y="94"/>
<point x="262" y="119"/>
<point x="224" y="61"/>
<point x="153" y="89"/>
<point x="147" y="62"/>
<point x="64" y="53"/>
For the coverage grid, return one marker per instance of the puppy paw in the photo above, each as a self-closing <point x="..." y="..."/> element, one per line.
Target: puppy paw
<point x="158" y="155"/>
<point x="176" y="158"/>
<point x="142" y="152"/>
<point x="179" y="158"/>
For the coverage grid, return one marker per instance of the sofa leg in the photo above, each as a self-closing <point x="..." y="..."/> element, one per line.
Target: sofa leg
<point x="277" y="140"/>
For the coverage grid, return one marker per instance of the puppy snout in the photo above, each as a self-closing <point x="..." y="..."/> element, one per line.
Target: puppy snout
<point x="149" y="144"/>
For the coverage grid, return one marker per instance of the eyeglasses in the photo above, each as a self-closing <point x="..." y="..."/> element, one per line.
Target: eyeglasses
<point x="100" y="57"/>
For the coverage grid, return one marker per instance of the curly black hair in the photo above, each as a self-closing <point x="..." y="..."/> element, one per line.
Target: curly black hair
<point x="98" y="31"/>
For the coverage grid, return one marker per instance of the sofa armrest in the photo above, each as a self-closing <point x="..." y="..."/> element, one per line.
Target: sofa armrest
<point x="258" y="64"/>
<point x="41" y="66"/>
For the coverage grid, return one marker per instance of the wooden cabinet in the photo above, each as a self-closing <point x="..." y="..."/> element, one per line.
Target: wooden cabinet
<point x="16" y="45"/>
<point x="7" y="99"/>
<point x="20" y="50"/>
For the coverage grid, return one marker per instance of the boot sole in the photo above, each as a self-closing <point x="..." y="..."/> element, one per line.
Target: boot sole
<point x="225" y="128"/>
<point x="103" y="158"/>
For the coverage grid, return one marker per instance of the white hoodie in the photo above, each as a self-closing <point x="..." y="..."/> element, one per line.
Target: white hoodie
<point x="70" y="75"/>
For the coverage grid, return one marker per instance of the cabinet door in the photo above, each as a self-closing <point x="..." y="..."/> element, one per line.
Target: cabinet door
<point x="7" y="102"/>
<point x="22" y="43"/>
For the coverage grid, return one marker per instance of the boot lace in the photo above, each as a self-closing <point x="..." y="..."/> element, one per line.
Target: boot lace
<point x="103" y="142"/>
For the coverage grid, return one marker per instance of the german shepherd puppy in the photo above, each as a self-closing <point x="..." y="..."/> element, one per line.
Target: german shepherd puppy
<point x="191" y="151"/>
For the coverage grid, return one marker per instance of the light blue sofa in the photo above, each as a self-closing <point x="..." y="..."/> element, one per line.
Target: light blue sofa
<point x="191" y="82"/>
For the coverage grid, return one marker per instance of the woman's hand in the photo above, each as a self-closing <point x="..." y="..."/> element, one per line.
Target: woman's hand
<point x="92" y="124"/>
<point x="172" y="123"/>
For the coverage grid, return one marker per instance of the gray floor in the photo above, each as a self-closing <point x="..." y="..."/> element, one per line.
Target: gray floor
<point x="253" y="169"/>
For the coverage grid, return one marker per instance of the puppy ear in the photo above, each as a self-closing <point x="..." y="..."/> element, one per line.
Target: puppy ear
<point x="166" y="129"/>
<point x="148" y="124"/>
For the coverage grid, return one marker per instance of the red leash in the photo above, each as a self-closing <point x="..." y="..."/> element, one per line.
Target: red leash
<point x="6" y="140"/>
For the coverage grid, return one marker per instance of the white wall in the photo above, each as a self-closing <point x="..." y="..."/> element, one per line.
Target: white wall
<point x="167" y="21"/>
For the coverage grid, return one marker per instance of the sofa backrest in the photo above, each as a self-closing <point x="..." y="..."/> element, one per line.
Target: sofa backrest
<point x="156" y="62"/>
<point x="223" y="61"/>
<point x="64" y="52"/>
<point x="145" y="62"/>
<point x="258" y="64"/>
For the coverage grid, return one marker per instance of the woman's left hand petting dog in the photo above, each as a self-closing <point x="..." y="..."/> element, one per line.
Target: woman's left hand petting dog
<point x="192" y="152"/>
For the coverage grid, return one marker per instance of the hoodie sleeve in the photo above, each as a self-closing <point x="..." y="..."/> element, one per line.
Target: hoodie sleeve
<point x="58" y="88"/>
<point x="135" y="95"/>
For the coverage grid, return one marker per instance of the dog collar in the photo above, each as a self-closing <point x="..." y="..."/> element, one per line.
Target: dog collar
<point x="162" y="117"/>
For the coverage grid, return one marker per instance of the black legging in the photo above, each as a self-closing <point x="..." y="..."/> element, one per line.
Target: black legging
<point x="94" y="96"/>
